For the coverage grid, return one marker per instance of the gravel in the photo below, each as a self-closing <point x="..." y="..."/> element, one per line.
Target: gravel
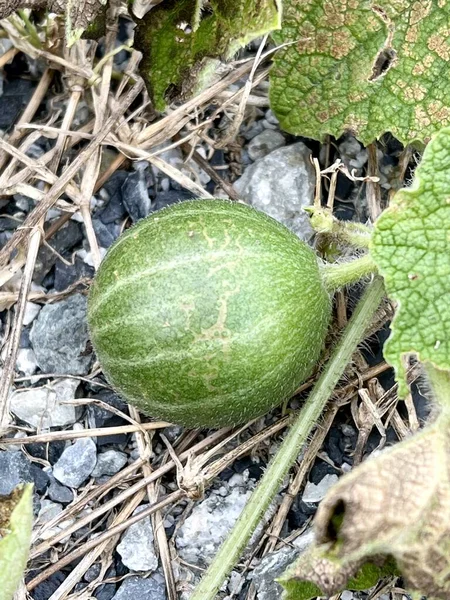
<point x="136" y="546"/>
<point x="26" y="362"/>
<point x="45" y="407"/>
<point x="135" y="195"/>
<point x="210" y="521"/>
<point x="282" y="185"/>
<point x="274" y="564"/>
<point x="59" y="337"/>
<point x="316" y="492"/>
<point x="133" y="588"/>
<point x="15" y="468"/>
<point x="264" y="143"/>
<point x="109" y="463"/>
<point x="76" y="463"/>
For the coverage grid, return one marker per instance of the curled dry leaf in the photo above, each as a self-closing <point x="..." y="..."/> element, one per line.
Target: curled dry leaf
<point x="395" y="507"/>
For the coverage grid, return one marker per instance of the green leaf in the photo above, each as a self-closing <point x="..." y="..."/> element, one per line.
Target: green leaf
<point x="16" y="517"/>
<point x="370" y="67"/>
<point x="182" y="41"/>
<point x="411" y="247"/>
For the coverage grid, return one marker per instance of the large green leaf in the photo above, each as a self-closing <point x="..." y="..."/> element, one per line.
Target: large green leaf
<point x="16" y="517"/>
<point x="411" y="246"/>
<point x="182" y="40"/>
<point x="370" y="67"/>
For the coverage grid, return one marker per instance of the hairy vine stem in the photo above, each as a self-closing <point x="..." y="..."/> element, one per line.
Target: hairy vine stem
<point x="337" y="275"/>
<point x="234" y="545"/>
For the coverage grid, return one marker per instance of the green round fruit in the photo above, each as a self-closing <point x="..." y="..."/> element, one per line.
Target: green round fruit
<point x="208" y="313"/>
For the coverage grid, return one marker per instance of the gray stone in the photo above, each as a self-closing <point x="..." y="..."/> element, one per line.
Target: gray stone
<point x="134" y="588"/>
<point x="93" y="572"/>
<point x="76" y="463"/>
<point x="48" y="511"/>
<point x="43" y="406"/>
<point x="274" y="564"/>
<point x="135" y="195"/>
<point x="60" y="336"/>
<point x="59" y="493"/>
<point x="282" y="184"/>
<point x="64" y="240"/>
<point x="314" y="493"/>
<point x="15" y="468"/>
<point x="252" y="130"/>
<point x="264" y="143"/>
<point x="270" y="117"/>
<point x="26" y="362"/>
<point x="136" y="546"/>
<point x="109" y="463"/>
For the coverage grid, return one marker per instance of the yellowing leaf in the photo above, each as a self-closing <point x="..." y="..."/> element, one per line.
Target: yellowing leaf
<point x="16" y="516"/>
<point x="411" y="247"/>
<point x="370" y="67"/>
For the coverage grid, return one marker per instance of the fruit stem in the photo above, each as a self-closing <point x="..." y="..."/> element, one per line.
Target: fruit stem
<point x="346" y="232"/>
<point x="232" y="548"/>
<point x="337" y="275"/>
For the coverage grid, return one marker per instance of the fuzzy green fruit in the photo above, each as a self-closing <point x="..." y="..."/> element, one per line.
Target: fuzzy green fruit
<point x="208" y="313"/>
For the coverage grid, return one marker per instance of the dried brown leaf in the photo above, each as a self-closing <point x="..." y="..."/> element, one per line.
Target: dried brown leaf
<point x="395" y="505"/>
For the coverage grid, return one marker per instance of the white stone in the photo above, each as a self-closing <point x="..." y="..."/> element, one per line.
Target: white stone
<point x="26" y="362"/>
<point x="136" y="546"/>
<point x="316" y="492"/>
<point x="31" y="312"/>
<point x="42" y="407"/>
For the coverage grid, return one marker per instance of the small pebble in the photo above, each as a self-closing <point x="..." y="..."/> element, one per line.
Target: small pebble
<point x="59" y="337"/>
<point x="31" y="312"/>
<point x="26" y="362"/>
<point x="59" y="493"/>
<point x="136" y="546"/>
<point x="15" y="468"/>
<point x="109" y="463"/>
<point x="44" y="407"/>
<point x="282" y="185"/>
<point x="134" y="588"/>
<point x="264" y="143"/>
<point x="135" y="195"/>
<point x="315" y="493"/>
<point x="76" y="463"/>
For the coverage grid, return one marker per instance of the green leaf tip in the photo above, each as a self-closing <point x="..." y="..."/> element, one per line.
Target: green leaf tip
<point x="182" y="41"/>
<point x="16" y="518"/>
<point x="368" y="67"/>
<point x="411" y="247"/>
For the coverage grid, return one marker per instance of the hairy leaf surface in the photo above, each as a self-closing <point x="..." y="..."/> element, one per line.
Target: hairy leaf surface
<point x="370" y="67"/>
<point x="411" y="246"/>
